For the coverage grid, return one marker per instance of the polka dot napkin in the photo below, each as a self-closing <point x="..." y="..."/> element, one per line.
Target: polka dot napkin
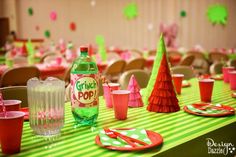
<point x="207" y="110"/>
<point x="139" y="134"/>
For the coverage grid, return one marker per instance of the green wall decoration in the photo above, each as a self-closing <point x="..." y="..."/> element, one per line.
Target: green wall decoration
<point x="47" y="34"/>
<point x="30" y="11"/>
<point x="217" y="14"/>
<point x="131" y="11"/>
<point x="183" y="13"/>
<point x="101" y="47"/>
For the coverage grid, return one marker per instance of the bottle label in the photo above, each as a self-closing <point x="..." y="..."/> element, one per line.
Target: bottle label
<point x="84" y="90"/>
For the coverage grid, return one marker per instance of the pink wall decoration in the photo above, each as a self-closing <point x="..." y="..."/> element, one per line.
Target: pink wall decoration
<point x="72" y="26"/>
<point x="169" y="33"/>
<point x="37" y="28"/>
<point x="53" y="15"/>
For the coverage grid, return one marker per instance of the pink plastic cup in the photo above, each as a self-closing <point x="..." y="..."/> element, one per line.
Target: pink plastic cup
<point x="11" y="105"/>
<point x="120" y="102"/>
<point x="206" y="88"/>
<point x="107" y="92"/>
<point x="232" y="80"/>
<point x="178" y="78"/>
<point x="11" y="127"/>
<point x="226" y="73"/>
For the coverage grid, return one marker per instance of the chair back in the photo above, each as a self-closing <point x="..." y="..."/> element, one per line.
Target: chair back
<point x="187" y="60"/>
<point x="201" y="66"/>
<point x="218" y="57"/>
<point x="216" y="68"/>
<point x="135" y="53"/>
<point x="18" y="76"/>
<point x="232" y="62"/>
<point x="136" y="63"/>
<point x="186" y="70"/>
<point x="174" y="57"/>
<point x="141" y="76"/>
<point x="20" y="60"/>
<point x="16" y="93"/>
<point x="152" y="53"/>
<point x="196" y="54"/>
<point x="53" y="58"/>
<point x="46" y="55"/>
<point x="114" y="69"/>
<point x="112" y="56"/>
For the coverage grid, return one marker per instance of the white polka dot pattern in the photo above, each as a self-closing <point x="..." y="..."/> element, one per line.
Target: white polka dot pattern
<point x="134" y="136"/>
<point x="105" y="138"/>
<point x="116" y="142"/>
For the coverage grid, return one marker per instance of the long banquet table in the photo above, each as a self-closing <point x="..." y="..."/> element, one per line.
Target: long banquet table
<point x="176" y="128"/>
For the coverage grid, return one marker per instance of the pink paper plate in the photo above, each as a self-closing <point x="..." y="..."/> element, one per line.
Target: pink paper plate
<point x="26" y="111"/>
<point x="199" y="105"/>
<point x="155" y="138"/>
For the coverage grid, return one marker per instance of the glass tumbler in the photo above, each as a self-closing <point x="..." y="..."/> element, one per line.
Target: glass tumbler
<point x="46" y="105"/>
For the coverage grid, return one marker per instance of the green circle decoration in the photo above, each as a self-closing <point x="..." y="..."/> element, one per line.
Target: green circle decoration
<point x="47" y="34"/>
<point x="183" y="13"/>
<point x="30" y="11"/>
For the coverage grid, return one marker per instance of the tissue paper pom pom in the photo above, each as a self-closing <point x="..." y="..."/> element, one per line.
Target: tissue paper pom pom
<point x="30" y="11"/>
<point x="47" y="34"/>
<point x="183" y="13"/>
<point x="72" y="26"/>
<point x="53" y="16"/>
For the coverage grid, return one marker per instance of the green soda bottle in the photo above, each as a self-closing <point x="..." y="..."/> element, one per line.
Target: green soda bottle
<point x="84" y="89"/>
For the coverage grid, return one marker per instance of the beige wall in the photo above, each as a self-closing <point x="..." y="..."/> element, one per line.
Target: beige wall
<point x="8" y="9"/>
<point x="106" y="18"/>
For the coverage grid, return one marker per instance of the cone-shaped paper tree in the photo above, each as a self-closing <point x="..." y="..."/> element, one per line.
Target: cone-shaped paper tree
<point x="163" y="97"/>
<point x="160" y="51"/>
<point x="135" y="99"/>
<point x="24" y="50"/>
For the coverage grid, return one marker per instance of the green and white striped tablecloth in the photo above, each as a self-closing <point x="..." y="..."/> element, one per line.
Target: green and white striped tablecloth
<point x="176" y="128"/>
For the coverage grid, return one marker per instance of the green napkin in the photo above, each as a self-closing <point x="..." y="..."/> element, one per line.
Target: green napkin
<point x="207" y="111"/>
<point x="139" y="134"/>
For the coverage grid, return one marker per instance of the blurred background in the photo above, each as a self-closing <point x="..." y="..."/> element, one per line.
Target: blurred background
<point x="90" y="18"/>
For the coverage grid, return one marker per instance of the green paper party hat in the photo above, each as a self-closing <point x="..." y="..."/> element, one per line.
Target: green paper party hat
<point x="101" y="47"/>
<point x="30" y="47"/>
<point x="161" y="50"/>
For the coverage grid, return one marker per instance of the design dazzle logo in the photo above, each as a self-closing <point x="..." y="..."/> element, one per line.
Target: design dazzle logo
<point x="219" y="147"/>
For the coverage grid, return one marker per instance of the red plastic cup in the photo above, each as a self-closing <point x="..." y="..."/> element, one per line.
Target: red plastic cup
<point x="120" y="102"/>
<point x="178" y="78"/>
<point x="11" y="128"/>
<point x="11" y="105"/>
<point x="107" y="92"/>
<point x="206" y="88"/>
<point x="232" y="80"/>
<point x="226" y="73"/>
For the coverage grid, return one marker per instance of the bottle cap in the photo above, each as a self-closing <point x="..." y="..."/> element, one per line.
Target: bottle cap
<point x="83" y="49"/>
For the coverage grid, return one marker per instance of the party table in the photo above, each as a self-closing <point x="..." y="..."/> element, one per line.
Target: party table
<point x="54" y="71"/>
<point x="176" y="128"/>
